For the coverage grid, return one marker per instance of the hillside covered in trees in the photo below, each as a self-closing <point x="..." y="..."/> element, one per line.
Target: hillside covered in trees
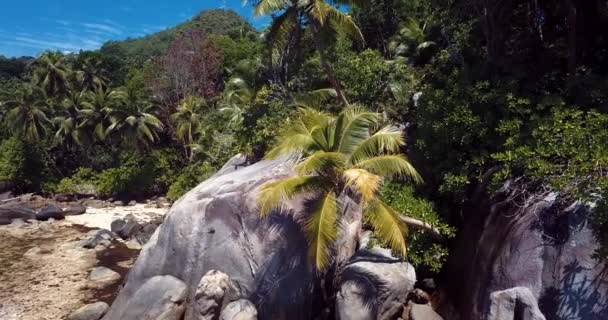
<point x="473" y="93"/>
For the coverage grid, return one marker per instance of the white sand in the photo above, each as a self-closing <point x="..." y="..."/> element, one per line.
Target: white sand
<point x="102" y="218"/>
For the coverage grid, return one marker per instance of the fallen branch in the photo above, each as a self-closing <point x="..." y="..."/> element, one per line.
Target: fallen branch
<point x="422" y="226"/>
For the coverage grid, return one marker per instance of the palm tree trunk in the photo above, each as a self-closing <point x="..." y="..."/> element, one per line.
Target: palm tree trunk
<point x="335" y="83"/>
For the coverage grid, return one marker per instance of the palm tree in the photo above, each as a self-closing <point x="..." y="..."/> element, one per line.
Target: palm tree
<point x="340" y="155"/>
<point x="51" y="72"/>
<point x="411" y="41"/>
<point x="324" y="19"/>
<point x="69" y="127"/>
<point x="238" y="97"/>
<point x="188" y="120"/>
<point x="134" y="118"/>
<point x="98" y="105"/>
<point x="27" y="113"/>
<point x="90" y="76"/>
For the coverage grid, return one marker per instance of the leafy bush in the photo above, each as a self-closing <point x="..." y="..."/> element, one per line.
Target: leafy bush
<point x="423" y="251"/>
<point x="21" y="168"/>
<point x="81" y="182"/>
<point x="131" y="178"/>
<point x="364" y="75"/>
<point x="190" y="177"/>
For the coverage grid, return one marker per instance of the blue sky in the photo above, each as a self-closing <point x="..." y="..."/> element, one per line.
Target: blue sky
<point x="28" y="27"/>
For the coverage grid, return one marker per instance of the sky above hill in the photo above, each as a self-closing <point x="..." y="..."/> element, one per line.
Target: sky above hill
<point x="28" y="27"/>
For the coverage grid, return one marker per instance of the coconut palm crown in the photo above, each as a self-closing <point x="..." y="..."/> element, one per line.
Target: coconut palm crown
<point x="344" y="154"/>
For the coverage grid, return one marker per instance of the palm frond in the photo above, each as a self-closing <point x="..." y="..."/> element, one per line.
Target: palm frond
<point x="387" y="140"/>
<point x="273" y="195"/>
<point x="314" y="99"/>
<point x="319" y="161"/>
<point x="363" y="182"/>
<point x="390" y="166"/>
<point x="344" y="23"/>
<point x="322" y="229"/>
<point x="387" y="225"/>
<point x="353" y="126"/>
<point x="266" y="7"/>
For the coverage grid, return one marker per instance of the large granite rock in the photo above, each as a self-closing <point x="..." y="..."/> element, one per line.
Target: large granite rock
<point x="93" y="311"/>
<point x="542" y="243"/>
<point x="211" y="295"/>
<point x="373" y="285"/>
<point x="216" y="226"/>
<point x="514" y="304"/>
<point x="239" y="310"/>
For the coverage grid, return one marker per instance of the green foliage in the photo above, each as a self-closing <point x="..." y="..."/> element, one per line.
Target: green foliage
<point x="364" y="75"/>
<point x="81" y="182"/>
<point x="131" y="178"/>
<point x="21" y="168"/>
<point x="423" y="251"/>
<point x="189" y="178"/>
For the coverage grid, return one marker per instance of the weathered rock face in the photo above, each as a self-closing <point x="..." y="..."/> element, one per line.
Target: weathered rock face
<point x="514" y="303"/>
<point x="373" y="285"/>
<point x="216" y="227"/>
<point x="9" y="212"/>
<point x="543" y="245"/>
<point x="92" y="311"/>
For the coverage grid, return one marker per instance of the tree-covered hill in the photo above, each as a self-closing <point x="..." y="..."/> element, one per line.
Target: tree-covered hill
<point x="213" y="22"/>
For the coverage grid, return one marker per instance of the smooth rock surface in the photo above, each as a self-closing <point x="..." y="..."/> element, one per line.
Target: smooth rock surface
<point x="373" y="285"/>
<point x="159" y="298"/>
<point x="514" y="304"/>
<point x="422" y="312"/>
<point x="239" y="310"/>
<point x="216" y="226"/>
<point x="93" y="311"/>
<point x="75" y="209"/>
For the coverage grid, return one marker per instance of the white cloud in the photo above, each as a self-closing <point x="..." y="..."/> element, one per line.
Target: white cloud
<point x="109" y="29"/>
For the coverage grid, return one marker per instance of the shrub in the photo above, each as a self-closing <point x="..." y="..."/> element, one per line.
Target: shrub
<point x="190" y="177"/>
<point x="81" y="182"/>
<point x="131" y="178"/>
<point x="21" y="168"/>
<point x="423" y="252"/>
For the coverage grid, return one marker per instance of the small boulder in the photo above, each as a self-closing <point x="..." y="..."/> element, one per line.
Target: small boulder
<point x="93" y="311"/>
<point x="210" y="294"/>
<point x="97" y="238"/>
<point x="159" y="298"/>
<point x="75" y="209"/>
<point x="132" y="203"/>
<point x="239" y="310"/>
<point x="127" y="227"/>
<point x="102" y="277"/>
<point x="50" y="212"/>
<point x="95" y="203"/>
<point x="119" y="203"/>
<point x="514" y="303"/>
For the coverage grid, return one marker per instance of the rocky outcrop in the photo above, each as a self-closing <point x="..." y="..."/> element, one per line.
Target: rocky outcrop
<point x="540" y="242"/>
<point x="102" y="277"/>
<point x="216" y="226"/>
<point x="373" y="285"/>
<point x="514" y="304"/>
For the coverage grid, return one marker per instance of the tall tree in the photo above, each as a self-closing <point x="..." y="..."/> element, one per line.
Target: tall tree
<point x="188" y="121"/>
<point x="99" y="104"/>
<point x="70" y="130"/>
<point x="91" y="74"/>
<point x="51" y="72"/>
<point x="134" y="118"/>
<point x="27" y="115"/>
<point x="324" y="19"/>
<point x="343" y="154"/>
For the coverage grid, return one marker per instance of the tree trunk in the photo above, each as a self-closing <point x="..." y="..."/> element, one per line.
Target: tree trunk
<point x="335" y="83"/>
<point x="572" y="48"/>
